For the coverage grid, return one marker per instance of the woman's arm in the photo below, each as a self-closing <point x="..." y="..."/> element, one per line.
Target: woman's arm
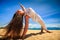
<point x="26" y="22"/>
<point x="26" y="26"/>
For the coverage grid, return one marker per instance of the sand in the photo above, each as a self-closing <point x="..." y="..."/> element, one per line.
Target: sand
<point x="35" y="35"/>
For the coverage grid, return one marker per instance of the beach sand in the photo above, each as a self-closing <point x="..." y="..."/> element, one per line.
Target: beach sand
<point x="36" y="35"/>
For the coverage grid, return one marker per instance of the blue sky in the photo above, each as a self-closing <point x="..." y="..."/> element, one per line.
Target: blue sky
<point x="49" y="10"/>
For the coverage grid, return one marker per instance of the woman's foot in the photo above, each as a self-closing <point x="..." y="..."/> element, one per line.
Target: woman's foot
<point x="48" y="31"/>
<point x="42" y="32"/>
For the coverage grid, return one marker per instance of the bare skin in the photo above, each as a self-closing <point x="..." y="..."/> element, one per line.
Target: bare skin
<point x="26" y="26"/>
<point x="26" y="23"/>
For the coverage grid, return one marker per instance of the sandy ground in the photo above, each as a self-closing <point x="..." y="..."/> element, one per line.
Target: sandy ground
<point x="35" y="35"/>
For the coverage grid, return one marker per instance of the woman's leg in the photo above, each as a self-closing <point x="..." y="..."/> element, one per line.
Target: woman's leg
<point x="41" y="30"/>
<point x="38" y="19"/>
<point x="43" y="26"/>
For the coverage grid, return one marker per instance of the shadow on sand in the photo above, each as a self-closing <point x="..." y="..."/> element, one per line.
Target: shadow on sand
<point x="31" y="34"/>
<point x="19" y="38"/>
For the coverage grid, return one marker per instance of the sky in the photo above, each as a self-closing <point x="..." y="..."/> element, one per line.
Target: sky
<point x="49" y="10"/>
